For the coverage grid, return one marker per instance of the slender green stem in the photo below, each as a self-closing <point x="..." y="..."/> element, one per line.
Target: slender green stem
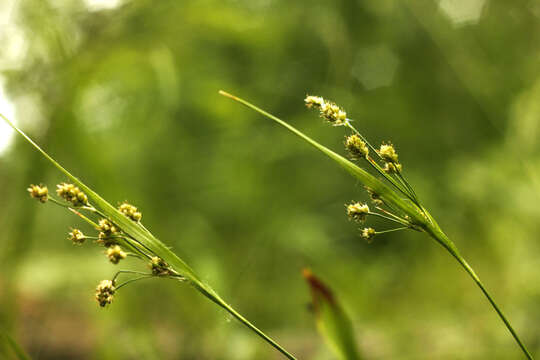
<point x="133" y="280"/>
<point x="403" y="222"/>
<point x="391" y="180"/>
<point x="129" y="272"/>
<point x="212" y="295"/>
<point x="392" y="230"/>
<point x="438" y="235"/>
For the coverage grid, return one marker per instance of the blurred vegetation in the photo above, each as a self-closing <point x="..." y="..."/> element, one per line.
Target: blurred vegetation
<point x="126" y="98"/>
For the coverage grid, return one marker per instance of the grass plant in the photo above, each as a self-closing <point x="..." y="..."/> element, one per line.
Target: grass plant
<point x="122" y="233"/>
<point x="394" y="198"/>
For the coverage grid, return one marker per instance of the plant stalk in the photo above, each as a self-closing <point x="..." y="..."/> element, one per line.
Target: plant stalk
<point x="437" y="234"/>
<point x="212" y="295"/>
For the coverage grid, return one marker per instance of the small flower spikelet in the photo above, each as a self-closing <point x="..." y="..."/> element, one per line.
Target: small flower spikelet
<point x="39" y="192"/>
<point x="106" y="231"/>
<point x="357" y="211"/>
<point x="388" y="153"/>
<point x="72" y="194"/>
<point x="130" y="211"/>
<point x="356" y="147"/>
<point x="115" y="254"/>
<point x="328" y="110"/>
<point x="104" y="292"/>
<point x="314" y="101"/>
<point x="76" y="236"/>
<point x="159" y="267"/>
<point x="368" y="233"/>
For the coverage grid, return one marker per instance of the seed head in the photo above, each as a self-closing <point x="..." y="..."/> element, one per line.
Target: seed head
<point x="107" y="230"/>
<point x="72" y="194"/>
<point x="368" y="234"/>
<point x="39" y="192"/>
<point x="314" y="101"/>
<point x="104" y="292"/>
<point x="130" y="211"/>
<point x="76" y="236"/>
<point x="328" y="110"/>
<point x="392" y="168"/>
<point x="107" y="227"/>
<point x="115" y="254"/>
<point x="388" y="153"/>
<point x="333" y="113"/>
<point x="159" y="267"/>
<point x="356" y="147"/>
<point x="357" y="211"/>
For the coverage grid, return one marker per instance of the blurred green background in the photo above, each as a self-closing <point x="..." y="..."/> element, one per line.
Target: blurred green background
<point x="124" y="94"/>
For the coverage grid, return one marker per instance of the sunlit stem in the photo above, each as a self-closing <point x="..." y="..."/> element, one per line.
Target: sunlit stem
<point x="392" y="230"/>
<point x="118" y="273"/>
<point x="394" y="219"/>
<point x="59" y="203"/>
<point x="390" y="179"/>
<point x="133" y="280"/>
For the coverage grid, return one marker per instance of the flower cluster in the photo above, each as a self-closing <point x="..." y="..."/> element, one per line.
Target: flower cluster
<point x="368" y="233"/>
<point x="107" y="232"/>
<point x="72" y="194"/>
<point x="159" y="267"/>
<point x="389" y="167"/>
<point x="39" y="192"/>
<point x="76" y="236"/>
<point x="357" y="211"/>
<point x="110" y="235"/>
<point x="130" y="211"/>
<point x="390" y="156"/>
<point x="104" y="292"/>
<point x="357" y="147"/>
<point x="115" y="254"/>
<point x="328" y="110"/>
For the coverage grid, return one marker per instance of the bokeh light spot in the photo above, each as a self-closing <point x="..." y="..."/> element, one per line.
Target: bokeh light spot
<point x="462" y="12"/>
<point x="375" y="66"/>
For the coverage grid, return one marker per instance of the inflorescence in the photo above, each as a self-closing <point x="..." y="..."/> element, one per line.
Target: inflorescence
<point x="109" y="235"/>
<point x="385" y="164"/>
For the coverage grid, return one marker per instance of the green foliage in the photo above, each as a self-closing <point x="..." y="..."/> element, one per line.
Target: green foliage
<point x="126" y="96"/>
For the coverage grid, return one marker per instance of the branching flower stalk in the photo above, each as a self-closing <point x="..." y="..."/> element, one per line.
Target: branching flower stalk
<point x="396" y="202"/>
<point x="121" y="232"/>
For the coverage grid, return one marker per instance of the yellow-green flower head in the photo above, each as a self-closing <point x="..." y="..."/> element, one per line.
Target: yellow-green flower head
<point x="356" y="147"/>
<point x="107" y="231"/>
<point x="76" y="236"/>
<point x="314" y="101"/>
<point x="388" y="153"/>
<point x="368" y="233"/>
<point x="104" y="292"/>
<point x="130" y="211"/>
<point x="333" y="113"/>
<point x="39" y="192"/>
<point x="72" y="194"/>
<point x="159" y="267"/>
<point x="107" y="227"/>
<point x="392" y="168"/>
<point x="115" y="254"/>
<point x="357" y="211"/>
<point x="328" y="110"/>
